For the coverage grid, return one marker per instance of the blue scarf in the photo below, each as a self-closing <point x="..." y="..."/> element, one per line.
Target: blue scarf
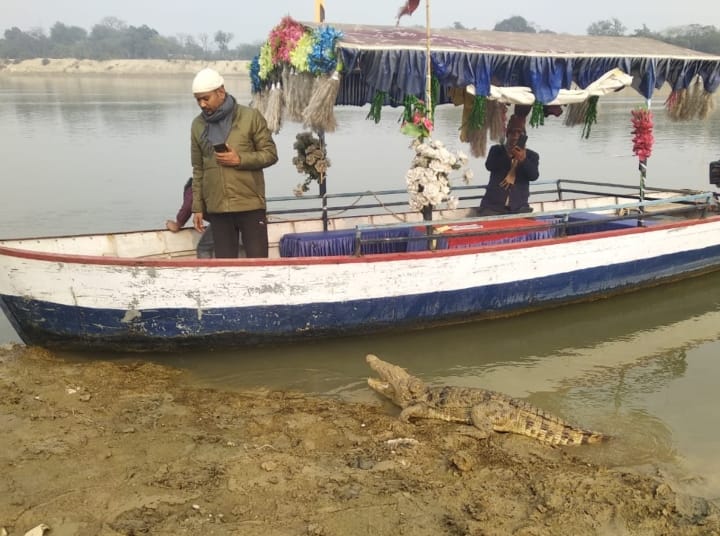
<point x="218" y="123"/>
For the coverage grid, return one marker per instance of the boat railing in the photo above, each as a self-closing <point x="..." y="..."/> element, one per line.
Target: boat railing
<point x="468" y="196"/>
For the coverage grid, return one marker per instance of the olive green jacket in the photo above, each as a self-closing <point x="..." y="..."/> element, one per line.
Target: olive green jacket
<point x="232" y="189"/>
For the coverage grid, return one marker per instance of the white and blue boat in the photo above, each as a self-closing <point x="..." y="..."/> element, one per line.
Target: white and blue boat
<point x="368" y="270"/>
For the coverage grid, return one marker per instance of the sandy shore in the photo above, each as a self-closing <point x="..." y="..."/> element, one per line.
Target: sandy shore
<point x="125" y="448"/>
<point x="120" y="67"/>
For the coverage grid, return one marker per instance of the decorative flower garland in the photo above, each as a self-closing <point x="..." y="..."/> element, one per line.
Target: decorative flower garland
<point x="283" y="39"/>
<point x="642" y="122"/>
<point x="428" y="179"/>
<point x="291" y="43"/>
<point x="311" y="160"/>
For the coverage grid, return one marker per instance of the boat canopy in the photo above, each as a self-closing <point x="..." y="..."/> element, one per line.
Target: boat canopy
<point x="392" y="59"/>
<point x="519" y="68"/>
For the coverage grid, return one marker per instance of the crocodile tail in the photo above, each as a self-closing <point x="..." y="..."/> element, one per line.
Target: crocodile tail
<point x="578" y="436"/>
<point x="555" y="431"/>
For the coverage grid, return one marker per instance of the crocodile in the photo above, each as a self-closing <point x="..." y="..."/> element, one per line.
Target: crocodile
<point x="484" y="409"/>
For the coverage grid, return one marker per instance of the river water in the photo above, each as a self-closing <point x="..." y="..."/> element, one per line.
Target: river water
<point x="97" y="153"/>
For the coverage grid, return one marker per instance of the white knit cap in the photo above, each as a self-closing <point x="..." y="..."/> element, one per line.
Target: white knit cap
<point x="207" y="80"/>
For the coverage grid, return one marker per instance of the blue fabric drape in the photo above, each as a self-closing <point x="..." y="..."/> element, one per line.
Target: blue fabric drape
<point x="548" y="76"/>
<point x="400" y="72"/>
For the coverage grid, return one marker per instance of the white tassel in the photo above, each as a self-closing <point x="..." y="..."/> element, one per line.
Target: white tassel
<point x="274" y="111"/>
<point x="319" y="115"/>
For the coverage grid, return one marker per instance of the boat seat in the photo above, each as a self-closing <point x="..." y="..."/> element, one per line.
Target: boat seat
<point x="485" y="233"/>
<point x="342" y="242"/>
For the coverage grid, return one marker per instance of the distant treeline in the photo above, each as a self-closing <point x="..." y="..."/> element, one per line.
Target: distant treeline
<point x="112" y="38"/>
<point x="693" y="36"/>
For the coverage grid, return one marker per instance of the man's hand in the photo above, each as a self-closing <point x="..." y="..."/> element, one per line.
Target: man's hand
<point x="509" y="180"/>
<point x="518" y="154"/>
<point x="198" y="222"/>
<point x="229" y="158"/>
<point x="172" y="225"/>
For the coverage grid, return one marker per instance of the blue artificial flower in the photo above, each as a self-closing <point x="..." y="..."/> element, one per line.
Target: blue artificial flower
<point x="255" y="82"/>
<point x="322" y="59"/>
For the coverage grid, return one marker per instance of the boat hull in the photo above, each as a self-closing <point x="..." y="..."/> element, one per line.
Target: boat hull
<point x="116" y="304"/>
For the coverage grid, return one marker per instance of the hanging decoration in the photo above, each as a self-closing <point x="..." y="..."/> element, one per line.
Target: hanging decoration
<point x="434" y="95"/>
<point x="299" y="61"/>
<point x="590" y="116"/>
<point x="688" y="103"/>
<point x="496" y="119"/>
<point x="274" y="108"/>
<point x="376" y="105"/>
<point x="415" y="118"/>
<point x="322" y="58"/>
<point x="575" y="113"/>
<point x="642" y="122"/>
<point x="319" y="114"/>
<point x="537" y="116"/>
<point x="311" y="160"/>
<point x="477" y="113"/>
<point x="298" y="92"/>
<point x="428" y="179"/>
<point x="482" y="119"/>
<point x="254" y="68"/>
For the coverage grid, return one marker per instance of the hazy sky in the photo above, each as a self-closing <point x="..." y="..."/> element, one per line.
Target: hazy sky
<point x="250" y="20"/>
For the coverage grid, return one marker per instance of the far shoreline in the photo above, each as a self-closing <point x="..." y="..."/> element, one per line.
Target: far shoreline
<point x="155" y="67"/>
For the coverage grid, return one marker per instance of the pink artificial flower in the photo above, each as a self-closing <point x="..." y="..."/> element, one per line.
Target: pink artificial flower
<point x="642" y="122"/>
<point x="284" y="38"/>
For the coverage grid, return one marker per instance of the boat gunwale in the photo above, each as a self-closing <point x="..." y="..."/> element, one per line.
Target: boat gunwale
<point x="340" y="259"/>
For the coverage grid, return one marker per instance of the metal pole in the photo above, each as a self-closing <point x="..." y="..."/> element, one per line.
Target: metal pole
<point x="428" y="210"/>
<point x="643" y="174"/>
<point x="323" y="185"/>
<point x="319" y="11"/>
<point x="428" y="63"/>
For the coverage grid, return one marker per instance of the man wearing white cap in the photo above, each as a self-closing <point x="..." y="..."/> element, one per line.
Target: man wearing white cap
<point x="230" y="147"/>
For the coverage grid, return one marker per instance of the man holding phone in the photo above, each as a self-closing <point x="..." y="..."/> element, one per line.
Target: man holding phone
<point x="512" y="166"/>
<point x="230" y="147"/>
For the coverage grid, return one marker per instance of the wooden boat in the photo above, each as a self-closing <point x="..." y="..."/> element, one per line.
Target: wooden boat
<point x="368" y="270"/>
<point x="146" y="291"/>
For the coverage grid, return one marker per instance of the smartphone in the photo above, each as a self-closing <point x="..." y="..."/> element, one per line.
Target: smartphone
<point x="220" y="148"/>
<point x="522" y="141"/>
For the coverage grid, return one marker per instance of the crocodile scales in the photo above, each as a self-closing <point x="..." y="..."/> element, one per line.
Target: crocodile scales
<point x="484" y="409"/>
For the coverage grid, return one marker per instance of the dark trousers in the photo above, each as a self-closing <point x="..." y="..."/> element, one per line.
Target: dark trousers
<point x="206" y="246"/>
<point x="229" y="227"/>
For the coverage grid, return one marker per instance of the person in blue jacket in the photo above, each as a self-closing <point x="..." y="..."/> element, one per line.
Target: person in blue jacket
<point x="512" y="167"/>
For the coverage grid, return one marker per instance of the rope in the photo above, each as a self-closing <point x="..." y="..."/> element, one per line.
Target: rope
<point x="275" y="217"/>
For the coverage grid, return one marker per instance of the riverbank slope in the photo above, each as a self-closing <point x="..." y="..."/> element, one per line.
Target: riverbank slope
<point x="120" y="67"/>
<point x="117" y="448"/>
